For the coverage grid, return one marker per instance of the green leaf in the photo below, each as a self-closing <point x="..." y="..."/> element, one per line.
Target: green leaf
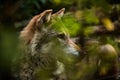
<point x="71" y="24"/>
<point x="89" y="30"/>
<point x="90" y="17"/>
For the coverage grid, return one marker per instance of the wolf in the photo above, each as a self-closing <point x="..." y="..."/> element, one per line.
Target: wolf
<point x="42" y="44"/>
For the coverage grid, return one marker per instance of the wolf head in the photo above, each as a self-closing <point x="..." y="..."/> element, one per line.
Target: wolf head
<point x="40" y="31"/>
<point x="39" y="23"/>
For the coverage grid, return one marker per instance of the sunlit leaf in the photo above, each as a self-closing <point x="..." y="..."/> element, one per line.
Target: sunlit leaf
<point x="108" y="24"/>
<point x="57" y="1"/>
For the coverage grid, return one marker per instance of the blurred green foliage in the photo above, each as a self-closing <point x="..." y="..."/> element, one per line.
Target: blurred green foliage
<point x="67" y="24"/>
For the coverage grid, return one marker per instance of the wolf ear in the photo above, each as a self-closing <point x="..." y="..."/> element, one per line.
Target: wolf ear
<point x="44" y="17"/>
<point x="60" y="13"/>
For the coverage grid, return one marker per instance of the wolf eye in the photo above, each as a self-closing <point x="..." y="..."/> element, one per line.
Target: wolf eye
<point x="61" y="36"/>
